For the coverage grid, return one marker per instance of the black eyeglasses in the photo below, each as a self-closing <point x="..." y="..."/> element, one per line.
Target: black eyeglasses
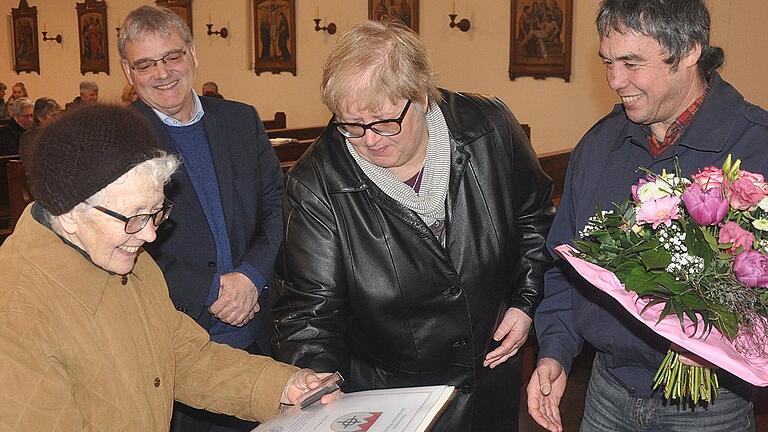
<point x="136" y="223"/>
<point x="150" y="65"/>
<point x="386" y="127"/>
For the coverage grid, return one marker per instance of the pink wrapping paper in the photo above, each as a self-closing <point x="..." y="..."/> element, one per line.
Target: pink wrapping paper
<point x="715" y="348"/>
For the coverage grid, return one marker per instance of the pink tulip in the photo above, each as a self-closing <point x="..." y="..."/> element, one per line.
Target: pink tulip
<point x="708" y="178"/>
<point x="731" y="232"/>
<point x="659" y="211"/>
<point x="706" y="206"/>
<point x="751" y="268"/>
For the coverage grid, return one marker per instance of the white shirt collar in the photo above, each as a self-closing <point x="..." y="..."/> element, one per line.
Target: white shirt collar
<point x="170" y="121"/>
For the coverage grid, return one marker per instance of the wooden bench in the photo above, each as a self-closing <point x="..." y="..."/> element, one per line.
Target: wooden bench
<point x="279" y="122"/>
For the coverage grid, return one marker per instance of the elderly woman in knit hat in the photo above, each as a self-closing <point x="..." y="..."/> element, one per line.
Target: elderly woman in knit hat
<point x="89" y="339"/>
<point x="414" y="241"/>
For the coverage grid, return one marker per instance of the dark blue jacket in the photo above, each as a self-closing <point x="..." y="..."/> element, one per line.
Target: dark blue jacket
<point x="603" y="167"/>
<point x="250" y="184"/>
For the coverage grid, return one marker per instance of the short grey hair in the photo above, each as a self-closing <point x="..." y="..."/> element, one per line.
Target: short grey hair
<point x="18" y="106"/>
<point x="158" y="170"/>
<point x="88" y="86"/>
<point x="151" y="20"/>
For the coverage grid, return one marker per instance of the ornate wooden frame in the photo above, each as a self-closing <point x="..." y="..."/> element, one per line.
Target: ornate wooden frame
<point x="26" y="46"/>
<point x="182" y="8"/>
<point x="540" y="39"/>
<point x="93" y="33"/>
<point x="409" y="16"/>
<point x="274" y="32"/>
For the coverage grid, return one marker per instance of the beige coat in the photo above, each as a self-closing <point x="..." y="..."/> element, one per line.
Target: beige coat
<point x="81" y="351"/>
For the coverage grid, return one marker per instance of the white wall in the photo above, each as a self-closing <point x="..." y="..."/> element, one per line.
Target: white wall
<point x="558" y="112"/>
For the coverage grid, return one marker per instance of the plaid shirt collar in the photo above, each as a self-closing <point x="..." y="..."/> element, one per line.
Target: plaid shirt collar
<point x="677" y="128"/>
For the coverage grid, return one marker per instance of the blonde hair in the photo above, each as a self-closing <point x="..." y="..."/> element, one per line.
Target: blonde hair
<point x="378" y="62"/>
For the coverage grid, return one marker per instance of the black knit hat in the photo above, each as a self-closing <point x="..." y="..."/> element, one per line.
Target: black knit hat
<point x="84" y="151"/>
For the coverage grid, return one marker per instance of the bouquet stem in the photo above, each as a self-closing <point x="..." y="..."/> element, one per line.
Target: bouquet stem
<point x="681" y="381"/>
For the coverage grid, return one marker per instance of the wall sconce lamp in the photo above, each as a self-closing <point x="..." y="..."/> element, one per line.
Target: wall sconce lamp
<point x="223" y="32"/>
<point x="463" y="24"/>
<point x="330" y="28"/>
<point x="56" y="38"/>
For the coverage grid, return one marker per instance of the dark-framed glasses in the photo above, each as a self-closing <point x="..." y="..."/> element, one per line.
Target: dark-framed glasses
<point x="171" y="58"/>
<point x="136" y="223"/>
<point x="386" y="127"/>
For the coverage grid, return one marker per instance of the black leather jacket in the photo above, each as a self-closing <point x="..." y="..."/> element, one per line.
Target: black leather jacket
<point x="364" y="287"/>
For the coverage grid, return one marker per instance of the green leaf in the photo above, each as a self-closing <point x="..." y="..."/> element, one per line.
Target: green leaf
<point x="656" y="259"/>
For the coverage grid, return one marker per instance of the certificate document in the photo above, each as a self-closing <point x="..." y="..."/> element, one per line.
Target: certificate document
<point x="411" y="409"/>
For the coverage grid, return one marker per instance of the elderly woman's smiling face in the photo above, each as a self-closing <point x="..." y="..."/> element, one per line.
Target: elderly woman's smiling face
<point x="103" y="236"/>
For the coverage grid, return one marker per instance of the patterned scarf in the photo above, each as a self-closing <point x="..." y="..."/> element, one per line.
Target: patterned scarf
<point x="429" y="203"/>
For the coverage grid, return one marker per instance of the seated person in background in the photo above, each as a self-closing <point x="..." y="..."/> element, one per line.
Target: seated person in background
<point x="45" y="111"/>
<point x="22" y="118"/>
<point x="129" y="95"/>
<point x="3" y="105"/>
<point x="18" y="91"/>
<point x="89" y="339"/>
<point x="89" y="94"/>
<point x="212" y="89"/>
<point x="414" y="235"/>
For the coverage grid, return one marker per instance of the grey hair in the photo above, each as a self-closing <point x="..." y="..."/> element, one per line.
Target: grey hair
<point x="678" y="26"/>
<point x="88" y="85"/>
<point x="158" y="170"/>
<point x="151" y="20"/>
<point x="18" y="106"/>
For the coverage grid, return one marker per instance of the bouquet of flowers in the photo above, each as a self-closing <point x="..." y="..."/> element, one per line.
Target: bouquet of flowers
<point x="693" y="251"/>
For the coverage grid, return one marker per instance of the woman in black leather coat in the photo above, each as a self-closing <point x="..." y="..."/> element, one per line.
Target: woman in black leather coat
<point x="415" y="227"/>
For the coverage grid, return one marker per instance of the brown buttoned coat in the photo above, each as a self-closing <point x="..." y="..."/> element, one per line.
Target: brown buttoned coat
<point x="80" y="350"/>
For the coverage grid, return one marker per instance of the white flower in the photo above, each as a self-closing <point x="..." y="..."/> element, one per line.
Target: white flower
<point x="761" y="224"/>
<point x="653" y="190"/>
<point x="763" y="204"/>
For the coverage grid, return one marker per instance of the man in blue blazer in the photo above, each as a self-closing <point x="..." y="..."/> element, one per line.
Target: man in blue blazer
<point x="219" y="247"/>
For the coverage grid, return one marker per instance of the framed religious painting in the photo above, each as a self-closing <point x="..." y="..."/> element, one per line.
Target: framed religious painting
<point x="92" y="31"/>
<point x="182" y="8"/>
<point x="26" y="51"/>
<point x="404" y="11"/>
<point x="275" y="36"/>
<point x="540" y="39"/>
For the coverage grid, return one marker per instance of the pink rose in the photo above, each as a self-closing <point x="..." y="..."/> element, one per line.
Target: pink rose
<point x="708" y="178"/>
<point x="659" y="211"/>
<point x="745" y="192"/>
<point x="706" y="206"/>
<point x="757" y="179"/>
<point x="751" y="268"/>
<point x="731" y="232"/>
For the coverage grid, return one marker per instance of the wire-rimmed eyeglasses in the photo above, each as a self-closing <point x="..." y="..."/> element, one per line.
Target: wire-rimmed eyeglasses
<point x="171" y="58"/>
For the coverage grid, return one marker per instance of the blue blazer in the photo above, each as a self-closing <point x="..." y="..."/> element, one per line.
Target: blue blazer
<point x="250" y="184"/>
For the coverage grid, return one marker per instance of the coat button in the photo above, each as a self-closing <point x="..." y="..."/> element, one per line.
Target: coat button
<point x="211" y="264"/>
<point x="460" y="343"/>
<point x="467" y="389"/>
<point x="157" y="382"/>
<point x="181" y="309"/>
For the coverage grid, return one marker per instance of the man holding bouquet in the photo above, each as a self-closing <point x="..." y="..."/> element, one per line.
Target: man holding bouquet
<point x="675" y="110"/>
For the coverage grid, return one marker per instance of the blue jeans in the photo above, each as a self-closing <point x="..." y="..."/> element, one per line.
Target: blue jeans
<point x="609" y="407"/>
